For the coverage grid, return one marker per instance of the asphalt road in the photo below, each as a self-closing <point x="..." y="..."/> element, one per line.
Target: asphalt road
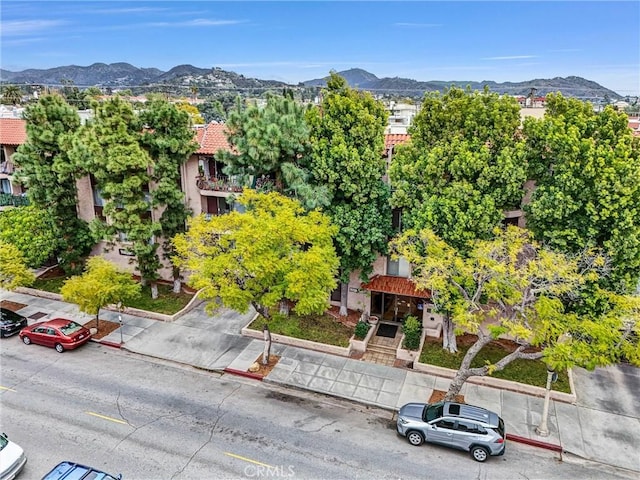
<point x="151" y="420"/>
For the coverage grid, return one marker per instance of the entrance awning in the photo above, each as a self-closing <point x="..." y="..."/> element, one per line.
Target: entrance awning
<point x="395" y="285"/>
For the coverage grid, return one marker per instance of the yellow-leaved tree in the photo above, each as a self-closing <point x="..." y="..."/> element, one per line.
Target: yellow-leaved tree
<point x="273" y="252"/>
<point x="512" y="286"/>
<point x="13" y="268"/>
<point x="100" y="285"/>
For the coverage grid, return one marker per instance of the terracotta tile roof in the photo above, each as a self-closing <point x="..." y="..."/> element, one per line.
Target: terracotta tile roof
<point x="391" y="139"/>
<point x="396" y="285"/>
<point x="634" y="124"/>
<point x="13" y="131"/>
<point x="211" y="138"/>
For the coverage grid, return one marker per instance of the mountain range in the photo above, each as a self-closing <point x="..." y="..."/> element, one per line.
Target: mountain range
<point x="209" y="80"/>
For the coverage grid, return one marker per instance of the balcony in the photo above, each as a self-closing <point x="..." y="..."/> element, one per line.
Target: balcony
<point x="220" y="183"/>
<point x="7" y="199"/>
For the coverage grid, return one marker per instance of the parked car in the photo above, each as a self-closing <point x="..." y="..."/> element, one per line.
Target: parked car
<point x="58" y="333"/>
<point x="457" y="425"/>
<point x="11" y="322"/>
<point x="12" y="458"/>
<point x="76" y="471"/>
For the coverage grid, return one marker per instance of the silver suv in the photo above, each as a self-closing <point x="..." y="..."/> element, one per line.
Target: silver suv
<point x="458" y="425"/>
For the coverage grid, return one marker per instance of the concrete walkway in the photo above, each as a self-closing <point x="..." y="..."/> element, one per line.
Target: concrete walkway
<point x="603" y="425"/>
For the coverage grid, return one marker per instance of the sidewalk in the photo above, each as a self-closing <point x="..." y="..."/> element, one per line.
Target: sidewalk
<point x="602" y="426"/>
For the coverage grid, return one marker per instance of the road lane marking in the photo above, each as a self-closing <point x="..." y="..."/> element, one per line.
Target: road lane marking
<point x="106" y="418"/>
<point x="6" y="388"/>
<point x="247" y="459"/>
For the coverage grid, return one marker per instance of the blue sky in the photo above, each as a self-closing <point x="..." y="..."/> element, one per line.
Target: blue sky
<point x="301" y="40"/>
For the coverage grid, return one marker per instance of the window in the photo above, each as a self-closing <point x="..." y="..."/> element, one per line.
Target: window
<point x="393" y="267"/>
<point x="454" y="409"/>
<point x="396" y="219"/>
<point x="5" y="186"/>
<point x="447" y="424"/>
<point x="335" y="295"/>
<point x="470" y="427"/>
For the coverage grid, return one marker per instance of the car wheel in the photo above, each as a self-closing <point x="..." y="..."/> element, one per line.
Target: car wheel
<point x="479" y="454"/>
<point x="59" y="348"/>
<point x="415" y="438"/>
<point x="26" y="340"/>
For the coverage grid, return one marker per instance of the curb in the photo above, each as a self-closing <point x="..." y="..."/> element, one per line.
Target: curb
<point x="242" y="373"/>
<point x="534" y="443"/>
<point x="108" y="344"/>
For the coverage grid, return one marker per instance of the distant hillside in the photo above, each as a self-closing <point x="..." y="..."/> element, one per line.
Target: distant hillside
<point x="182" y="78"/>
<point x="569" y="86"/>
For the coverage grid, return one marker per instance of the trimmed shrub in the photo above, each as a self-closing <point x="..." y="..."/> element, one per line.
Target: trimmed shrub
<point x="362" y="328"/>
<point x="412" y="329"/>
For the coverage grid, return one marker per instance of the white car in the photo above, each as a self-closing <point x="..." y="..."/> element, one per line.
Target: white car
<point x="12" y="458"/>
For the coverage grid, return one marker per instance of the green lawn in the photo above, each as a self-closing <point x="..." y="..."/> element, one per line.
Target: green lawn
<point x="531" y="372"/>
<point x="52" y="285"/>
<point x="317" y="328"/>
<point x="167" y="301"/>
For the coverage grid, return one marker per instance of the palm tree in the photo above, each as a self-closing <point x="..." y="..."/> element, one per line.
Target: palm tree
<point x="12" y="95"/>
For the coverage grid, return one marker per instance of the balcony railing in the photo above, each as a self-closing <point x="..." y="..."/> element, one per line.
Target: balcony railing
<point x="221" y="183"/>
<point x="7" y="199"/>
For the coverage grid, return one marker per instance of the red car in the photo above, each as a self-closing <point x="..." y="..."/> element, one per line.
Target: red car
<point x="58" y="333"/>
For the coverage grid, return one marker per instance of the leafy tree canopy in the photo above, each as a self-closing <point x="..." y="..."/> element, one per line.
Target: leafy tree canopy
<point x="463" y="167"/>
<point x="272" y="251"/>
<point x="512" y="286"/>
<point x="50" y="174"/>
<point x="347" y="142"/>
<point x="586" y="166"/>
<point x="13" y="269"/>
<point x="100" y="285"/>
<point x="32" y="231"/>
<point x="272" y="142"/>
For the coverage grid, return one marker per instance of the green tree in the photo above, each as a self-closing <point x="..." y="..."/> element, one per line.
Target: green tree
<point x="273" y="143"/>
<point x="12" y="95"/>
<point x="74" y="96"/>
<point x="463" y="167"/>
<point x="169" y="140"/>
<point x="50" y="175"/>
<point x="32" y="231"/>
<point x="110" y="149"/>
<point x="347" y="138"/>
<point x="100" y="285"/>
<point x="586" y="166"/>
<point x="512" y="286"/>
<point x="274" y="252"/>
<point x="13" y="268"/>
<point x="213" y="111"/>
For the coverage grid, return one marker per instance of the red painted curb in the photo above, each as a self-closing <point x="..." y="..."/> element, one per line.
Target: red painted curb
<point x="534" y="443"/>
<point x="241" y="373"/>
<point x="109" y="344"/>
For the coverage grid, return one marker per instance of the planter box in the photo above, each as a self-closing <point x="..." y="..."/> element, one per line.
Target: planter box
<point x="361" y="345"/>
<point x="297" y="342"/>
<point x="410" y="355"/>
<point x="500" y="383"/>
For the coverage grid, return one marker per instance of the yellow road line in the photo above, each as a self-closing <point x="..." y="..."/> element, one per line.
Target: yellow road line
<point x="247" y="459"/>
<point x="106" y="418"/>
<point x="6" y="388"/>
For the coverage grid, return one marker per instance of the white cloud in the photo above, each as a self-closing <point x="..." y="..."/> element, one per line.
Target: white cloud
<point x="28" y="27"/>
<point x="511" y="57"/>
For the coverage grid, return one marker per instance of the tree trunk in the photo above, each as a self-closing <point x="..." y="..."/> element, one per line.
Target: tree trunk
<point x="284" y="307"/>
<point x="465" y="371"/>
<point x="177" y="283"/>
<point x="267" y="344"/>
<point x="344" y="297"/>
<point x="154" y="290"/>
<point x="448" y="335"/>
<point x="97" y="317"/>
<point x="262" y="310"/>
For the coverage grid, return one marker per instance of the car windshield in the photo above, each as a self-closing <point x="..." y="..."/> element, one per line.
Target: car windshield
<point x="71" y="327"/>
<point x="433" y="411"/>
<point x="3" y="442"/>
